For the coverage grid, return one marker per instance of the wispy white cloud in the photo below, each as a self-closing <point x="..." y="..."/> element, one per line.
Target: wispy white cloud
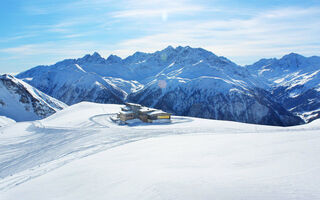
<point x="64" y="26"/>
<point x="45" y="7"/>
<point x="36" y="10"/>
<point x="269" y="33"/>
<point x="133" y="25"/>
<point x="163" y="10"/>
<point x="17" y="37"/>
<point x="59" y="50"/>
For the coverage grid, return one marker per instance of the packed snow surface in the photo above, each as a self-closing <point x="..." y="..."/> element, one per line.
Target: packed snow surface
<point x="4" y="121"/>
<point x="78" y="153"/>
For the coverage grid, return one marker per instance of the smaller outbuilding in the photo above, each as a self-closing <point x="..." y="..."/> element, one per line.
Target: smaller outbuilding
<point x="158" y="115"/>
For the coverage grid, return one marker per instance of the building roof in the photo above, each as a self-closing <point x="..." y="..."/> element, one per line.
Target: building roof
<point x="158" y="112"/>
<point x="147" y="110"/>
<point x="133" y="104"/>
<point x="125" y="108"/>
<point x="126" y="112"/>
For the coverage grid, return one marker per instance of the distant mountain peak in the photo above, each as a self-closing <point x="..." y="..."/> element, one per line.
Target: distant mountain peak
<point x="136" y="57"/>
<point x="96" y="54"/>
<point x="291" y="61"/>
<point x="139" y="53"/>
<point x="94" y="58"/>
<point x="114" y="59"/>
<point x="292" y="56"/>
<point x="170" y="48"/>
<point x="183" y="47"/>
<point x="6" y="76"/>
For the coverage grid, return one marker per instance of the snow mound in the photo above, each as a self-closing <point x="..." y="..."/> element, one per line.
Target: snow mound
<point x="4" y="121"/>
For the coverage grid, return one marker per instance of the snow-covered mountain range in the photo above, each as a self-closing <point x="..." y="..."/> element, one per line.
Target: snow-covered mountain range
<point x="294" y="82"/>
<point x="70" y="83"/>
<point x="185" y="81"/>
<point x="21" y="102"/>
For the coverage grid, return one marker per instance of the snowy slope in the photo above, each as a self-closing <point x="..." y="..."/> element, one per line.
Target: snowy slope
<point x="22" y="102"/>
<point x="128" y="86"/>
<point x="215" y="98"/>
<point x="4" y="121"/>
<point x="294" y="81"/>
<point x="79" y="153"/>
<point x="70" y="83"/>
<point x="196" y="83"/>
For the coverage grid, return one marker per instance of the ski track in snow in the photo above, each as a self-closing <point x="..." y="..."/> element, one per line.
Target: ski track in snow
<point x="48" y="147"/>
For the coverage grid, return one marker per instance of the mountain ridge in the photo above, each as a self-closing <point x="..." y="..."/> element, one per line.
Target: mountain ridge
<point x="21" y="102"/>
<point x="294" y="81"/>
<point x="126" y="79"/>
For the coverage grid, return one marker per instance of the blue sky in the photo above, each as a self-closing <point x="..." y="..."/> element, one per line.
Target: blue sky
<point x="37" y="32"/>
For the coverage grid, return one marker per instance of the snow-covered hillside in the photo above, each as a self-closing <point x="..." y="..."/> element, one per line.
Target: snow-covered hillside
<point x="70" y="83"/>
<point x="214" y="98"/>
<point x="198" y="83"/>
<point x="294" y="81"/>
<point x="22" y="102"/>
<point x="78" y="153"/>
<point x="5" y="121"/>
<point x="183" y="80"/>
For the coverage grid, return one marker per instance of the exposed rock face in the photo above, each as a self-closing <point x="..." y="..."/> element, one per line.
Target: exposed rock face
<point x="22" y="102"/>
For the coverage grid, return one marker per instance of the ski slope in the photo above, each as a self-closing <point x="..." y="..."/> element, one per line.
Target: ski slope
<point x="4" y="121"/>
<point x="78" y="153"/>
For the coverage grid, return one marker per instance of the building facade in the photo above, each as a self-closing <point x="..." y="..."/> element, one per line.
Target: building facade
<point x="145" y="114"/>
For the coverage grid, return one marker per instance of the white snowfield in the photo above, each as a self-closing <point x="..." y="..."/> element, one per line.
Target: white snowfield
<point x="78" y="153"/>
<point x="5" y="121"/>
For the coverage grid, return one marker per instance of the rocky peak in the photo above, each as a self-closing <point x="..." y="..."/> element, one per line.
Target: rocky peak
<point x="94" y="58"/>
<point x="6" y="76"/>
<point x="136" y="57"/>
<point x="22" y="102"/>
<point x="113" y="59"/>
<point x="292" y="60"/>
